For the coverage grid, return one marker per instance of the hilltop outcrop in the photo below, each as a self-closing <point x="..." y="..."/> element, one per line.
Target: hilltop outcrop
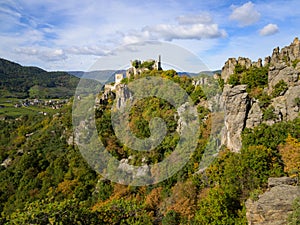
<point x="283" y="89"/>
<point x="231" y="63"/>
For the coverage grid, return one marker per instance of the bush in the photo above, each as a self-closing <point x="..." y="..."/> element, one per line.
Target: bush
<point x="197" y="94"/>
<point x="279" y="89"/>
<point x="269" y="114"/>
<point x="297" y="101"/>
<point x="136" y="63"/>
<point x="253" y="77"/>
<point x="264" y="100"/>
<point x="294" y="217"/>
<point x="295" y="62"/>
<point x="234" y="79"/>
<point x="124" y="81"/>
<point x="221" y="83"/>
<point x="239" y="69"/>
<point x="148" y="64"/>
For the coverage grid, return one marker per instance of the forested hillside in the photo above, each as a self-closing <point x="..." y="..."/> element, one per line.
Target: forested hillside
<point x="44" y="178"/>
<point x="17" y="81"/>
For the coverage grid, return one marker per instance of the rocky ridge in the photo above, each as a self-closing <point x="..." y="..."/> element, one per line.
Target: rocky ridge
<point x="243" y="111"/>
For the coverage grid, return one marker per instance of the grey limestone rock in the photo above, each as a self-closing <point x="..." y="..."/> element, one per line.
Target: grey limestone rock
<point x="273" y="206"/>
<point x="237" y="104"/>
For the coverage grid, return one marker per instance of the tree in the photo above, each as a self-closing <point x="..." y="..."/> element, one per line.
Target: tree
<point x="216" y="209"/>
<point x="121" y="211"/>
<point x="44" y="212"/>
<point x="290" y="152"/>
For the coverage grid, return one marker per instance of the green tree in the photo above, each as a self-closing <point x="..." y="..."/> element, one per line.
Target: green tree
<point x="234" y="79"/>
<point x="44" y="212"/>
<point x="216" y="209"/>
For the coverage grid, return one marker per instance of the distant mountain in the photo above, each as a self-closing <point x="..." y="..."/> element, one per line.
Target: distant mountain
<point x="200" y="73"/>
<point x="103" y="76"/>
<point x="210" y="72"/>
<point x="23" y="82"/>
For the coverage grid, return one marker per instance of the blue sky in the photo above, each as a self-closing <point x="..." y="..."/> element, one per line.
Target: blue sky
<point x="73" y="35"/>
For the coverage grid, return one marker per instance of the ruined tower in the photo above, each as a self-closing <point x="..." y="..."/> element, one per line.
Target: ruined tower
<point x="159" y="63"/>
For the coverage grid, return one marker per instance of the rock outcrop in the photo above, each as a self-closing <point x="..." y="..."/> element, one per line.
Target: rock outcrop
<point x="273" y="206"/>
<point x="255" y="115"/>
<point x="282" y="71"/>
<point x="230" y="64"/>
<point x="237" y="105"/>
<point x="122" y="95"/>
<point x="241" y="111"/>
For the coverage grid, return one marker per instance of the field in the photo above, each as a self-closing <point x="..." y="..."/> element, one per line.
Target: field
<point x="8" y="108"/>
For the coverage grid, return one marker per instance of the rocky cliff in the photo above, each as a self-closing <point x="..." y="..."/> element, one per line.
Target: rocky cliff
<point x="274" y="206"/>
<point x="283" y="89"/>
<point x="237" y="106"/>
<point x="231" y="63"/>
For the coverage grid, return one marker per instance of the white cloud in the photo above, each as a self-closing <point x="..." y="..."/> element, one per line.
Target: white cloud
<point x="44" y="54"/>
<point x="196" y="31"/>
<point x="26" y="51"/>
<point x="269" y="29"/>
<point x="53" y="55"/>
<point x="87" y="50"/>
<point x="204" y="18"/>
<point x="136" y="36"/>
<point x="245" y="14"/>
<point x="189" y="27"/>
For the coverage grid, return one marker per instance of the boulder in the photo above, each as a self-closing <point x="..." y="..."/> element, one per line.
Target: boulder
<point x="277" y="181"/>
<point x="275" y="205"/>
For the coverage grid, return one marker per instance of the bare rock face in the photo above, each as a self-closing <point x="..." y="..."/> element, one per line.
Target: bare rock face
<point x="284" y="65"/>
<point x="254" y="116"/>
<point x="273" y="206"/>
<point x="258" y="64"/>
<point x="237" y="104"/>
<point x="277" y="181"/>
<point x="291" y="52"/>
<point x="285" y="106"/>
<point x="245" y="62"/>
<point x="122" y="95"/>
<point x="292" y="108"/>
<point x="228" y="68"/>
<point x="282" y="72"/>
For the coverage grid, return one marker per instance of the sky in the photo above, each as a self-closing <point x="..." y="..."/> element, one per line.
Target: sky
<point x="74" y="35"/>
